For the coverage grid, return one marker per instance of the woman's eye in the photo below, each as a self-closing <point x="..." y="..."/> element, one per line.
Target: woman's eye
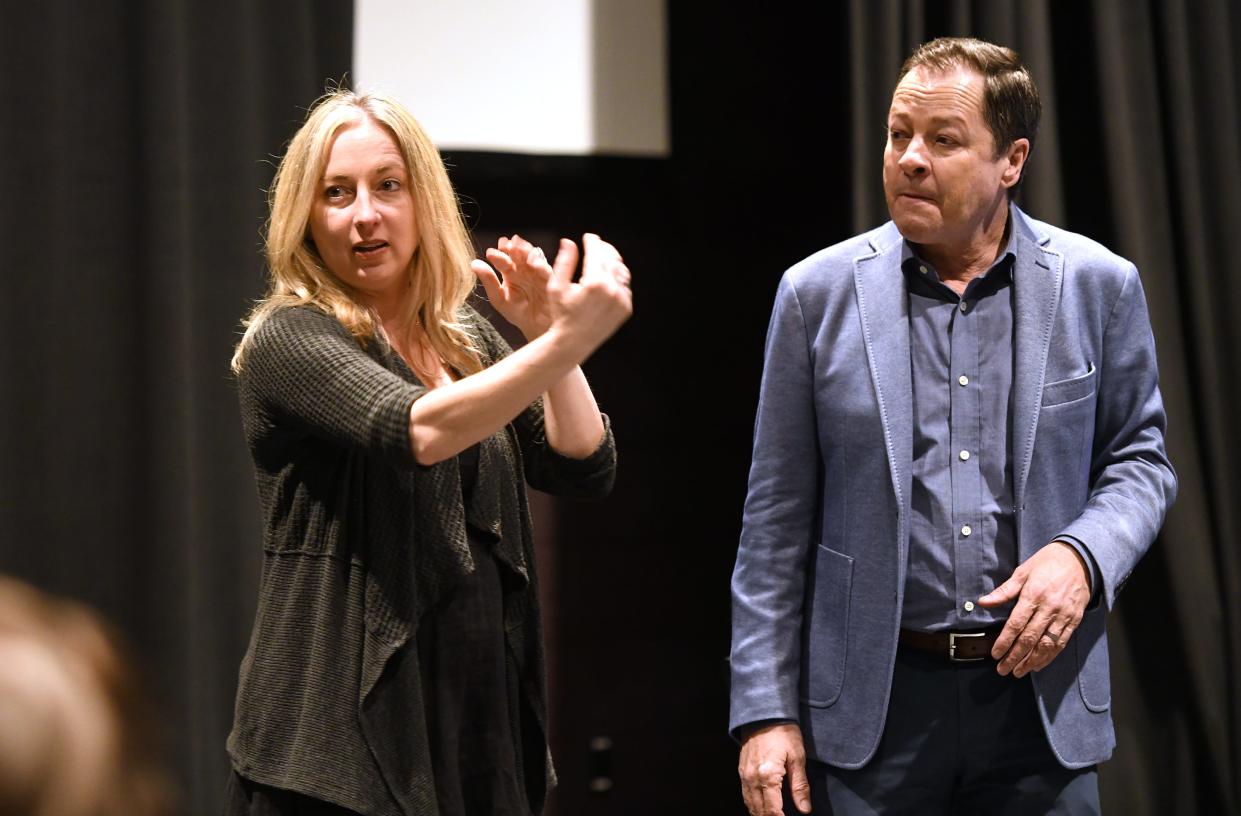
<point x="390" y="185"/>
<point x="334" y="192"/>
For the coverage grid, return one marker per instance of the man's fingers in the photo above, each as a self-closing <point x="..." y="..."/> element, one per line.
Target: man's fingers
<point x="1043" y="652"/>
<point x="1049" y="646"/>
<point x="752" y="795"/>
<point x="1033" y="626"/>
<point x="799" y="785"/>
<point x="1015" y="625"/>
<point x="760" y="788"/>
<point x="770" y="781"/>
<point x="1005" y="592"/>
<point x="773" y="801"/>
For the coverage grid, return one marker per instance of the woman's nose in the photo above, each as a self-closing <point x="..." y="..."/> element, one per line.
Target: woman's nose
<point x="364" y="212"/>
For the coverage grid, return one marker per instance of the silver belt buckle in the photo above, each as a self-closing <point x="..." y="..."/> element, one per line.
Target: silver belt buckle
<point x="952" y="646"/>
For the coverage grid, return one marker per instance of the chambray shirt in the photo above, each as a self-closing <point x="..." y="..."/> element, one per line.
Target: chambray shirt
<point x="962" y="540"/>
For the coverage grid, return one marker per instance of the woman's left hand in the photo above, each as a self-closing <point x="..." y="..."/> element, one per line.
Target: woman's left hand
<point x="522" y="296"/>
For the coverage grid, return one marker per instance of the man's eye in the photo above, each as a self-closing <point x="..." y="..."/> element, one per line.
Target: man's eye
<point x="896" y="135"/>
<point x="945" y="140"/>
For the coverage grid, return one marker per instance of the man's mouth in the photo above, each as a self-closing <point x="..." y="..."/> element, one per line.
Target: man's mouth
<point x="369" y="248"/>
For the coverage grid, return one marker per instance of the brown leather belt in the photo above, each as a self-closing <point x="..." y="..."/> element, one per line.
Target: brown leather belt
<point x="959" y="647"/>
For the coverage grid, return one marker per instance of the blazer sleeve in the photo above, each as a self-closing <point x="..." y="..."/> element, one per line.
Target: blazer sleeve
<point x="545" y="468"/>
<point x="778" y="526"/>
<point x="1132" y="483"/>
<point x="306" y="372"/>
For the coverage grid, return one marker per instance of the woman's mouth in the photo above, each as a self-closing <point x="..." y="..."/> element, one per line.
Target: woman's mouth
<point x="369" y="249"/>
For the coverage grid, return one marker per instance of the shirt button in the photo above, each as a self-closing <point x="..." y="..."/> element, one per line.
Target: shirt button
<point x="969" y="606"/>
<point x="922" y="269"/>
<point x="963" y="380"/>
<point x="964" y="455"/>
<point x="963" y="306"/>
<point x="966" y="530"/>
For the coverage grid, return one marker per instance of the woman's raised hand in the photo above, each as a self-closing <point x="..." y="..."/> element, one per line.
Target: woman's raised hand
<point x="522" y="296"/>
<point x="535" y="296"/>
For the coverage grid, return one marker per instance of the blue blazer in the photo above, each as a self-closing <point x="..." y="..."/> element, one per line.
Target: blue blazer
<point x="820" y="572"/>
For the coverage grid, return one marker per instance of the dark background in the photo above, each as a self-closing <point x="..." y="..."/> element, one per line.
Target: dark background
<point x="137" y="139"/>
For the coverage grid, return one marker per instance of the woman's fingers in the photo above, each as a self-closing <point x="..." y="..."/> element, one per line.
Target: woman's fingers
<point x="566" y="262"/>
<point x="501" y="261"/>
<point x="601" y="257"/>
<point x="487" y="276"/>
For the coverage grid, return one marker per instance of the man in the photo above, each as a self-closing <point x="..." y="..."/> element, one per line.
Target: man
<point x="958" y="460"/>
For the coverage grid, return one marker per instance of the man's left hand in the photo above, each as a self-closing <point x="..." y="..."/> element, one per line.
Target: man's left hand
<point x="1052" y="589"/>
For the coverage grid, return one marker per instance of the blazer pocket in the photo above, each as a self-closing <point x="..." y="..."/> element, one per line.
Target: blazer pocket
<point x="827" y="627"/>
<point x="1070" y="390"/>
<point x="1090" y="643"/>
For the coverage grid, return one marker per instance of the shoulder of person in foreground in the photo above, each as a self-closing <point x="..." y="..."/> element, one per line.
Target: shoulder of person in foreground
<point x="77" y="735"/>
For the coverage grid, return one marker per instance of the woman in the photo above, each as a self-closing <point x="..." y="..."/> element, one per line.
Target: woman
<point x="396" y="664"/>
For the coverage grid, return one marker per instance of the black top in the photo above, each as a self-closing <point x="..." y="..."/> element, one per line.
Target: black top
<point x="466" y="678"/>
<point x="360" y="542"/>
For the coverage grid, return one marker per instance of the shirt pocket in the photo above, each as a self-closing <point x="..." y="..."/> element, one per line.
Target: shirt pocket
<point x="1063" y="392"/>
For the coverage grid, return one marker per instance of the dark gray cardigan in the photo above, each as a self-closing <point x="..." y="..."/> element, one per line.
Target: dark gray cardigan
<point x="359" y="540"/>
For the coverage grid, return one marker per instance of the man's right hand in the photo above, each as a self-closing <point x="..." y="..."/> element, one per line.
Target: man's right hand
<point x="768" y="755"/>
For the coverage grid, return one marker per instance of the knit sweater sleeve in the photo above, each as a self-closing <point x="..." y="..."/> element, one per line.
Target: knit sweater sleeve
<point x="306" y="372"/>
<point x="545" y="468"/>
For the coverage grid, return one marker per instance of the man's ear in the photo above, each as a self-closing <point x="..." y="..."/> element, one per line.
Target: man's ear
<point x="1015" y="160"/>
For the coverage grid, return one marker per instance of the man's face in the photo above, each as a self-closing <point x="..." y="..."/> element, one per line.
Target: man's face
<point x="941" y="177"/>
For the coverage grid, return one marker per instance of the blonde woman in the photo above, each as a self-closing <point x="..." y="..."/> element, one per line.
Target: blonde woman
<point x="396" y="664"/>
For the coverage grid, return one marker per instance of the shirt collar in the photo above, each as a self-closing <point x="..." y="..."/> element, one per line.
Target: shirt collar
<point x="999" y="273"/>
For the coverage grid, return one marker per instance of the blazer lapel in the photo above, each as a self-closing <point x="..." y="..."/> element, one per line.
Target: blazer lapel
<point x="884" y="309"/>
<point x="1036" y="279"/>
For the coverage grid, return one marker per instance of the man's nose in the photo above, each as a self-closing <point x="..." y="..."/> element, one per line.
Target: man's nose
<point x="914" y="160"/>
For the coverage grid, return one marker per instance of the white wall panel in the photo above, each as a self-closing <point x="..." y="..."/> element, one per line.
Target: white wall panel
<point x="536" y="76"/>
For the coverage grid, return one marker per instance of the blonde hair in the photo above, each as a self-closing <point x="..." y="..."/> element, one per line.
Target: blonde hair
<point x="440" y="278"/>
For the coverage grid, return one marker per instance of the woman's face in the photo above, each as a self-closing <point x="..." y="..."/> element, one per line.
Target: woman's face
<point x="362" y="220"/>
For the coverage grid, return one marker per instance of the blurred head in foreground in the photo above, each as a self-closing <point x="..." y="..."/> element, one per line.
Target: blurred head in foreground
<point x="75" y="732"/>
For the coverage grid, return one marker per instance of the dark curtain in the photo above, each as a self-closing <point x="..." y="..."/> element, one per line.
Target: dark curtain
<point x="1138" y="149"/>
<point x="135" y="147"/>
<point x="134" y="152"/>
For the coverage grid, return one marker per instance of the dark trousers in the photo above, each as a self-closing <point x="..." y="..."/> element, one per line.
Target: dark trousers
<point x="959" y="739"/>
